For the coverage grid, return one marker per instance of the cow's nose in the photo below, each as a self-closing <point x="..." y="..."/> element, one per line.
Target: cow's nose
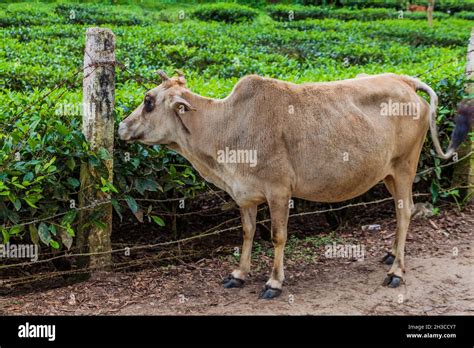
<point x="122" y="129"/>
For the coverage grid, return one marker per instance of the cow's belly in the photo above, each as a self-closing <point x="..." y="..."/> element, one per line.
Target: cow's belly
<point x="317" y="192"/>
<point x="338" y="180"/>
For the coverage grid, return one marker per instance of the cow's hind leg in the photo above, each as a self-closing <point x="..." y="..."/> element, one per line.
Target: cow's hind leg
<point x="279" y="218"/>
<point x="390" y="256"/>
<point x="249" y="218"/>
<point x="400" y="186"/>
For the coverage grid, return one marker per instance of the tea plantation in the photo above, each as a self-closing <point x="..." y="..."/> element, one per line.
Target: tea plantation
<point x="42" y="48"/>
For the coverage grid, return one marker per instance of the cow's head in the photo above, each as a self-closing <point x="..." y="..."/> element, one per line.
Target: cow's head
<point x="157" y="120"/>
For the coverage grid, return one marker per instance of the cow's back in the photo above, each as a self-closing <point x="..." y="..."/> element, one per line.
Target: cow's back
<point x="330" y="138"/>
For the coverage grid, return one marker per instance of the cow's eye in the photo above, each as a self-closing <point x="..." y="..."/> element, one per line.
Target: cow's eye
<point x="148" y="104"/>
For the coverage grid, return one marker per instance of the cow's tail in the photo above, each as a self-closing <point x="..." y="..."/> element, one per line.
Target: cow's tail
<point x="463" y="123"/>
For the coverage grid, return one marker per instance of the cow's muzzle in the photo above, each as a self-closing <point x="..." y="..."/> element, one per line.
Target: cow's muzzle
<point x="127" y="134"/>
<point x="124" y="132"/>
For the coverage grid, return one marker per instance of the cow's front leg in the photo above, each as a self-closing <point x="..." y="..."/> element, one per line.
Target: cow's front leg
<point x="249" y="218"/>
<point x="279" y="218"/>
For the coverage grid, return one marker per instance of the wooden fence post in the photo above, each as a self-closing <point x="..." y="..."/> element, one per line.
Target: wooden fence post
<point x="98" y="128"/>
<point x="464" y="170"/>
<point x="429" y="12"/>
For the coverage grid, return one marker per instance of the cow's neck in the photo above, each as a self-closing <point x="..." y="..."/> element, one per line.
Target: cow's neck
<point x="207" y="129"/>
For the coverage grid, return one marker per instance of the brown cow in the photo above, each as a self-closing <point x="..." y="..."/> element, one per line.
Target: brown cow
<point x="271" y="140"/>
<point x="416" y="8"/>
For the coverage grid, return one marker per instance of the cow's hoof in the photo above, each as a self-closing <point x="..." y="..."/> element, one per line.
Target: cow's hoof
<point x="388" y="259"/>
<point x="268" y="293"/>
<point x="392" y="281"/>
<point x="232" y="282"/>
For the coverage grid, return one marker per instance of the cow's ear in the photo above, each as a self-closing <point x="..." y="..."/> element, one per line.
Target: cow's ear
<point x="162" y="75"/>
<point x="181" y="105"/>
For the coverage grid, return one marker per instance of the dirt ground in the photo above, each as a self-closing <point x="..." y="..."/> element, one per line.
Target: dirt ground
<point x="439" y="279"/>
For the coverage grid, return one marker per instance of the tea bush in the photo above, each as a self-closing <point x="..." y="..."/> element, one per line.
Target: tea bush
<point x="295" y="12"/>
<point x="465" y="15"/>
<point x="225" y="12"/>
<point x="440" y="5"/>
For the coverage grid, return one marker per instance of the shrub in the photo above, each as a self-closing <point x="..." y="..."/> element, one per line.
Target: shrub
<point x="365" y="14"/>
<point x="97" y="14"/>
<point x="225" y="12"/>
<point x="465" y="15"/>
<point x="441" y="5"/>
<point x="27" y="17"/>
<point x="74" y="13"/>
<point x="287" y="12"/>
<point x="40" y="157"/>
<point x="454" y="6"/>
<point x="393" y="4"/>
<point x="423" y="15"/>
<point x="312" y="2"/>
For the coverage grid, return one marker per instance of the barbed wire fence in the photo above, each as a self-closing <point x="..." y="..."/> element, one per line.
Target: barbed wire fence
<point x="73" y="81"/>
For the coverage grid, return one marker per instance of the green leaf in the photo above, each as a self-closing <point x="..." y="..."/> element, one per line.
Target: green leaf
<point x="15" y="230"/>
<point x="46" y="166"/>
<point x="434" y="191"/>
<point x="5" y="235"/>
<point x="54" y="244"/>
<point x="107" y="186"/>
<point x="16" y="202"/>
<point x="112" y="187"/>
<point x="69" y="217"/>
<point x="62" y="129"/>
<point x="18" y="185"/>
<point x="43" y="232"/>
<point x="143" y="185"/>
<point x="34" y="234"/>
<point x="117" y="208"/>
<point x="70" y="231"/>
<point x="28" y="177"/>
<point x="31" y="199"/>
<point x="132" y="204"/>
<point x="30" y="202"/>
<point x="103" y="154"/>
<point x="73" y="182"/>
<point x="39" y="178"/>
<point x="99" y="224"/>
<point x="52" y="229"/>
<point x="51" y="169"/>
<point x="159" y="221"/>
<point x="71" y="164"/>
